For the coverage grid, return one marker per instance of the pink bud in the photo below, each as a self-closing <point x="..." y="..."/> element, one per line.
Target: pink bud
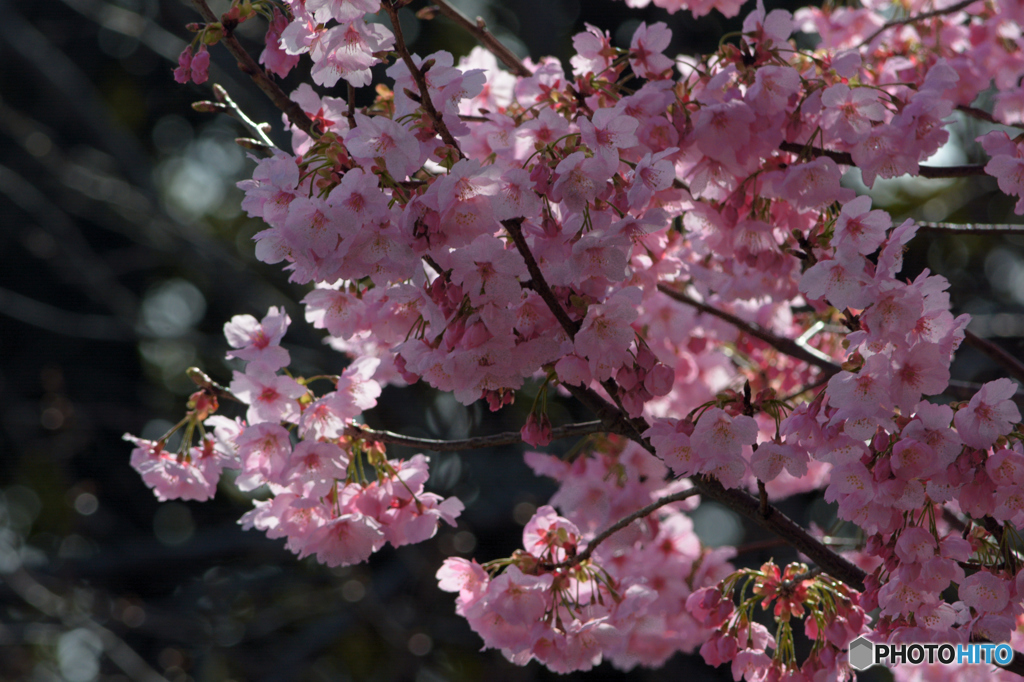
<point x="660" y="379"/>
<point x="201" y="65"/>
<point x="183" y="73"/>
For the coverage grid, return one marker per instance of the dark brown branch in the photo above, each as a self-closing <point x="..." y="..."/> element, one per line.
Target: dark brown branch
<point x="979" y="114"/>
<point x="249" y="67"/>
<point x="350" y="112"/>
<point x="973" y="228"/>
<point x="619" y="525"/>
<point x="421" y="82"/>
<point x="1005" y="359"/>
<point x="485" y="37"/>
<point x="514" y="227"/>
<point x="507" y="438"/>
<point x="844" y="159"/>
<point x="919" y="17"/>
<point x="739" y="501"/>
<point x="811" y="356"/>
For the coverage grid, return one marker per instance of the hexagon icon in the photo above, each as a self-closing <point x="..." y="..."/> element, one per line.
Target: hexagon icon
<point x="862" y="654"/>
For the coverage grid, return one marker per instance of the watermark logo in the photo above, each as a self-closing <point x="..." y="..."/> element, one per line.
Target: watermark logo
<point x="863" y="654"/>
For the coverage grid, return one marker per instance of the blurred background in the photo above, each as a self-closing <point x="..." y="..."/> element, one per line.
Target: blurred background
<point x="123" y="251"/>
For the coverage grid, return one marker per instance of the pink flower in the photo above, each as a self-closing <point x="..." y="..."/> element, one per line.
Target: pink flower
<point x="718" y="435"/>
<point x="645" y="50"/>
<point x="274" y="56"/>
<point x="379" y="137"/>
<point x="549" y="535"/>
<point x="984" y="592"/>
<point x="990" y="414"/>
<point x="671" y="440"/>
<point x="594" y="52"/>
<point x="773" y="87"/>
<point x="318" y="464"/>
<point x="580" y="180"/>
<point x="519" y="598"/>
<point x="467" y="578"/>
<point x="916" y="545"/>
<point x="341" y="10"/>
<point x="922" y="369"/>
<point x="860" y="227"/>
<point x="263" y="451"/>
<point x="653" y="174"/>
<point x="771" y="458"/>
<point x="849" y="112"/>
<point x="1009" y="172"/>
<point x="271" y="398"/>
<point x="343" y="541"/>
<point x="189" y="478"/>
<point x="813" y="184"/>
<point x="347" y="51"/>
<point x="606" y="334"/>
<point x="606" y="133"/>
<point x="841" y="282"/>
<point x="259" y="341"/>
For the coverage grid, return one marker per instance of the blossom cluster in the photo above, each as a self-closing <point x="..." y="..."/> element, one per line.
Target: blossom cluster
<point x="668" y="238"/>
<point x="625" y="603"/>
<point x="832" y="618"/>
<point x="333" y="495"/>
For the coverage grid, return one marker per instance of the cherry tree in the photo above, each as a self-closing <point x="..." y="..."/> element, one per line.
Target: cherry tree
<point x="667" y="241"/>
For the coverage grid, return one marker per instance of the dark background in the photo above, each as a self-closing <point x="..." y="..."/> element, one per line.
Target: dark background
<point x="122" y="253"/>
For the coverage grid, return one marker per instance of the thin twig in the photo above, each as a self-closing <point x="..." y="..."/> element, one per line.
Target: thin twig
<point x="249" y="67"/>
<point x="973" y="228"/>
<point x="808" y="354"/>
<point x="845" y="159"/>
<point x="226" y="105"/>
<point x="421" y="82"/>
<point x="619" y="525"/>
<point x="507" y="438"/>
<point x="919" y="17"/>
<point x="486" y="38"/>
<point x="1005" y="359"/>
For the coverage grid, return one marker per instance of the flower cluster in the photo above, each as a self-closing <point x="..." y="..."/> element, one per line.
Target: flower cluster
<point x="334" y="494"/>
<point x="625" y="602"/>
<point x="832" y="617"/>
<point x="679" y="253"/>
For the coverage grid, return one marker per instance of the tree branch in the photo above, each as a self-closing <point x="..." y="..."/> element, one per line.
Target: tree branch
<point x="808" y="354"/>
<point x="507" y="438"/>
<point x="619" y="525"/>
<point x="739" y="501"/>
<point x="919" y="17"/>
<point x="973" y="228"/>
<point x="249" y="67"/>
<point x="537" y="281"/>
<point x="226" y="105"/>
<point x="994" y="352"/>
<point x="844" y="159"/>
<point x="391" y="8"/>
<point x="485" y="37"/>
